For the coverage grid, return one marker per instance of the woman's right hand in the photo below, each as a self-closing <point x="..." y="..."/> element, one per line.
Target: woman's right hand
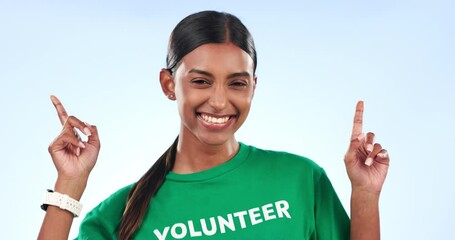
<point x="73" y="158"/>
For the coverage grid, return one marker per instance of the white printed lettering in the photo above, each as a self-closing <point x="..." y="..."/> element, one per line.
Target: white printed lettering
<point x="254" y="214"/>
<point x="193" y="232"/>
<point x="159" y="235"/>
<point x="240" y="215"/>
<point x="226" y="223"/>
<point x="267" y="210"/>
<point x="210" y="232"/>
<point x="257" y="215"/>
<point x="282" y="208"/>
<point x="182" y="231"/>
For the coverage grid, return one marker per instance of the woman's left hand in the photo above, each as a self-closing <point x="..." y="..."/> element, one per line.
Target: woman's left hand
<point x="366" y="162"/>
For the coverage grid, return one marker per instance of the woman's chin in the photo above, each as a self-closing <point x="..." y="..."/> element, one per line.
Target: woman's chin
<point x="216" y="139"/>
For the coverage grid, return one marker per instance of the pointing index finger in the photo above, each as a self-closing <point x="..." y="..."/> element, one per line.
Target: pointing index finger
<point x="358" y="121"/>
<point x="62" y="114"/>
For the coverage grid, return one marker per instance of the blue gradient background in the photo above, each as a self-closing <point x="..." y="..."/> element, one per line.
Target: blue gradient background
<point x="316" y="59"/>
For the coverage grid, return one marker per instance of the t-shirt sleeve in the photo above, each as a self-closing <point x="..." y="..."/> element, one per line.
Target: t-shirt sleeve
<point x="102" y="222"/>
<point x="331" y="220"/>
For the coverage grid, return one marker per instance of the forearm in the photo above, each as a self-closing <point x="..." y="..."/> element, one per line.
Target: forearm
<point x="57" y="222"/>
<point x="365" y="223"/>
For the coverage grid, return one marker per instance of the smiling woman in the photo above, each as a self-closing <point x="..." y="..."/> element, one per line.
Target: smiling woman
<point x="212" y="83"/>
<point x="207" y="183"/>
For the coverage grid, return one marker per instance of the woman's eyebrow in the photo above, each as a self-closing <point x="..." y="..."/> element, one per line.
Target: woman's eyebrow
<point x="239" y="74"/>
<point x="194" y="70"/>
<point x="232" y="75"/>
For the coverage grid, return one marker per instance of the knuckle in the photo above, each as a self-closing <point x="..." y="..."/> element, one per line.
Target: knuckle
<point x="63" y="111"/>
<point x="50" y="148"/>
<point x="73" y="121"/>
<point x="67" y="132"/>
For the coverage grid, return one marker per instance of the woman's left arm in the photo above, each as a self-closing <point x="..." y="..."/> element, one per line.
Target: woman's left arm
<point x="367" y="164"/>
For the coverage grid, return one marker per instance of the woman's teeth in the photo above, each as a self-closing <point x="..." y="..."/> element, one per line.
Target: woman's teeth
<point x="214" y="120"/>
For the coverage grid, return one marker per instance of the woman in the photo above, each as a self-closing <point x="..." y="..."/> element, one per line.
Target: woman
<point x="207" y="183"/>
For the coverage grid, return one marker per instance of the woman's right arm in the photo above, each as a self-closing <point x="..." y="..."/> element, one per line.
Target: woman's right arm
<point x="74" y="160"/>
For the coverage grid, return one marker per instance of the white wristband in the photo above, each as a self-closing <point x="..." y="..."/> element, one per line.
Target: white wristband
<point x="62" y="201"/>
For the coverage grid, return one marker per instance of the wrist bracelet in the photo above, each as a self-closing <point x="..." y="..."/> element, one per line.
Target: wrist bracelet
<point x="62" y="201"/>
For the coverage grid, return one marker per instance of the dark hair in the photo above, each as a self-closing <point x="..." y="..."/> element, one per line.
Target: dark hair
<point x="208" y="27"/>
<point x="193" y="31"/>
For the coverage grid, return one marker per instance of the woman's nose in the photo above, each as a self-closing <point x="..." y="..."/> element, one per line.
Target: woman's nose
<point x="218" y="99"/>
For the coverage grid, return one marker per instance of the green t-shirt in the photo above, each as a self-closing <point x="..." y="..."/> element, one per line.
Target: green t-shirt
<point x="258" y="194"/>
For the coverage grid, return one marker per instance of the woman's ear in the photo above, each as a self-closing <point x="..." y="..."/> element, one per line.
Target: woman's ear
<point x="255" y="82"/>
<point x="167" y="83"/>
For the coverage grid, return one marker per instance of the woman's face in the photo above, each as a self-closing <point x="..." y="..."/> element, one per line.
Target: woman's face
<point x="214" y="88"/>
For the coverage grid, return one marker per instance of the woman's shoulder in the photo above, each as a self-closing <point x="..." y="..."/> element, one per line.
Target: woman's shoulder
<point x="116" y="199"/>
<point x="111" y="206"/>
<point x="102" y="221"/>
<point x="282" y="159"/>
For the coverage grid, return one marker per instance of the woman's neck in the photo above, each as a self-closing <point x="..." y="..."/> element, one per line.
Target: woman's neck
<point x="195" y="156"/>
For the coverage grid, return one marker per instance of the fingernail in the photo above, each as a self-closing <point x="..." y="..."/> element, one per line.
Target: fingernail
<point x="86" y="124"/>
<point x="383" y="155"/>
<point x="81" y="144"/>
<point x="87" y="131"/>
<point x="78" y="152"/>
<point x="369" y="147"/>
<point x="369" y="161"/>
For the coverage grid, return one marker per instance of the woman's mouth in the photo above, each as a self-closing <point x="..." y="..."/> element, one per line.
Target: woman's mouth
<point x="215" y="120"/>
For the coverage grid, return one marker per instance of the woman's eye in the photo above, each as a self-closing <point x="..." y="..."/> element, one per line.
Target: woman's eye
<point x="199" y="81"/>
<point x="239" y="84"/>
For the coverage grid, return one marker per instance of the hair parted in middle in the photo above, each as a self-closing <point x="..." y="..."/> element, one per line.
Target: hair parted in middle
<point x="208" y="27"/>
